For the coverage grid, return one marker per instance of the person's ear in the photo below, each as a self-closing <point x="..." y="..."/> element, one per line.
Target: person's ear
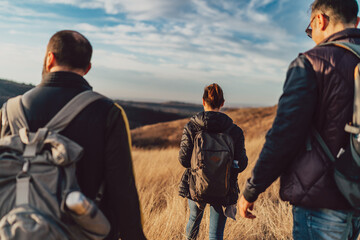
<point x="50" y="61"/>
<point x="357" y="22"/>
<point x="204" y="102"/>
<point x="322" y="21"/>
<point x="88" y="69"/>
<point x="222" y="104"/>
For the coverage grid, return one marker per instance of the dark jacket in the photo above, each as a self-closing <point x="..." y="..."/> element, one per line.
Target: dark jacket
<point x="212" y="122"/>
<point x="101" y="129"/>
<point x="318" y="92"/>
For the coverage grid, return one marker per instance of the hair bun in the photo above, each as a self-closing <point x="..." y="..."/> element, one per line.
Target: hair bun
<point x="213" y="96"/>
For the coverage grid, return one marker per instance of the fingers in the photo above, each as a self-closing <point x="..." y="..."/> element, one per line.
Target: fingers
<point x="244" y="207"/>
<point x="251" y="206"/>
<point x="249" y="214"/>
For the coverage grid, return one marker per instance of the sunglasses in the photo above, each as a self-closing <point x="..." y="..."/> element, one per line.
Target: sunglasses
<point x="308" y="30"/>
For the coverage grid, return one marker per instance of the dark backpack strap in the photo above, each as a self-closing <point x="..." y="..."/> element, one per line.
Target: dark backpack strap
<point x="100" y="194"/>
<point x="323" y="145"/>
<point x="227" y="131"/>
<point x="60" y="121"/>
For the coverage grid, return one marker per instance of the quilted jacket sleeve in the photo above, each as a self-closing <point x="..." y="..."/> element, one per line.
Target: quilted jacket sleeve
<point x="186" y="147"/>
<point x="288" y="133"/>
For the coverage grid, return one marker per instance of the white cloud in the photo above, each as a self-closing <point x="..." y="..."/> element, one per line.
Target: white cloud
<point x="87" y="27"/>
<point x="8" y="8"/>
<point x="259" y="3"/>
<point x="169" y="40"/>
<point x="136" y="9"/>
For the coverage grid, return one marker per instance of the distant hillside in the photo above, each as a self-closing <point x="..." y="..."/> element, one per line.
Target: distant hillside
<point x="145" y="113"/>
<point x="180" y="108"/>
<point x="253" y="121"/>
<point x="139" y="113"/>
<point x="10" y="89"/>
<point x="140" y="116"/>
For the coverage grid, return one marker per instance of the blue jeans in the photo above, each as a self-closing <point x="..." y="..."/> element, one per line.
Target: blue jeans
<point x="325" y="224"/>
<point x="217" y="222"/>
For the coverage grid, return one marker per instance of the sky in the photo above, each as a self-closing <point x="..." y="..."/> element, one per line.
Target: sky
<point x="164" y="50"/>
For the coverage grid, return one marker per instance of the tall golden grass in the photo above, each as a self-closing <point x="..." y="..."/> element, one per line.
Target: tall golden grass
<point x="165" y="213"/>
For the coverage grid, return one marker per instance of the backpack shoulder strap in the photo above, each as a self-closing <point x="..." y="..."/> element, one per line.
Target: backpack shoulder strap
<point x="60" y="121"/>
<point x="323" y="145"/>
<point x="14" y="112"/>
<point x="352" y="47"/>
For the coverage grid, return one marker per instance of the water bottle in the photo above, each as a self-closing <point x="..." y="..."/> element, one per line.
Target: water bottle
<point x="78" y="203"/>
<point x="86" y="214"/>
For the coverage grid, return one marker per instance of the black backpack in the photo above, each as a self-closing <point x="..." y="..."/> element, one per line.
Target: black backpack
<point x="347" y="162"/>
<point x="211" y="161"/>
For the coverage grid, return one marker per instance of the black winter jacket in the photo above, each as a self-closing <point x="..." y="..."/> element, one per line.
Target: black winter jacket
<point x="101" y="129"/>
<point x="318" y="92"/>
<point x="212" y="122"/>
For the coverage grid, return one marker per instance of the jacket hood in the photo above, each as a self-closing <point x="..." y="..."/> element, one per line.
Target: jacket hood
<point x="212" y="121"/>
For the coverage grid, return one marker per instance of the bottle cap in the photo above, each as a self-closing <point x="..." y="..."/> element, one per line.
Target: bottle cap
<point x="75" y="201"/>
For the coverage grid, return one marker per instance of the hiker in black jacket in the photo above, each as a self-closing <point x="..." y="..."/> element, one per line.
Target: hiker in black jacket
<point x="211" y="120"/>
<point x="318" y="93"/>
<point x="101" y="129"/>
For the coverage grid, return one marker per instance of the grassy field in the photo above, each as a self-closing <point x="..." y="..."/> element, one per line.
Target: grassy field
<point x="165" y="213"/>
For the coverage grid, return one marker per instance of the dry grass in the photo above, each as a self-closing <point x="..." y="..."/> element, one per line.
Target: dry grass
<point x="165" y="213"/>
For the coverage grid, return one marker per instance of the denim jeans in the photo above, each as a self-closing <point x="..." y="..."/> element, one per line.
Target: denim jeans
<point x="325" y="224"/>
<point x="217" y="222"/>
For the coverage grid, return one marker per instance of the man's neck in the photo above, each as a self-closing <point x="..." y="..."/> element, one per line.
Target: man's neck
<point x="67" y="69"/>
<point x="209" y="109"/>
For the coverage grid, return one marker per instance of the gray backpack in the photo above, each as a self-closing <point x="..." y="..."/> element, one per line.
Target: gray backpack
<point x="211" y="161"/>
<point x="347" y="162"/>
<point x="37" y="171"/>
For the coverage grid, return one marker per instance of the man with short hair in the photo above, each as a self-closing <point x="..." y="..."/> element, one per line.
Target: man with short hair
<point x="101" y="129"/>
<point x="319" y="93"/>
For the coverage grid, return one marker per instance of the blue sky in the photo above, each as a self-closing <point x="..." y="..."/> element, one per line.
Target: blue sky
<point x="164" y="50"/>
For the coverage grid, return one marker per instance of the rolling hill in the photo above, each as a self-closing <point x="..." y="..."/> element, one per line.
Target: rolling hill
<point x="145" y="113"/>
<point x="10" y="89"/>
<point x="253" y="121"/>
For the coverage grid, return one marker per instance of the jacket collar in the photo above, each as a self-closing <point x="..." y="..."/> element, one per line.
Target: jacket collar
<point x="342" y="35"/>
<point x="64" y="79"/>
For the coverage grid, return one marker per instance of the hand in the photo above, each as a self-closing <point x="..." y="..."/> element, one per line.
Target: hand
<point x="244" y="207"/>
